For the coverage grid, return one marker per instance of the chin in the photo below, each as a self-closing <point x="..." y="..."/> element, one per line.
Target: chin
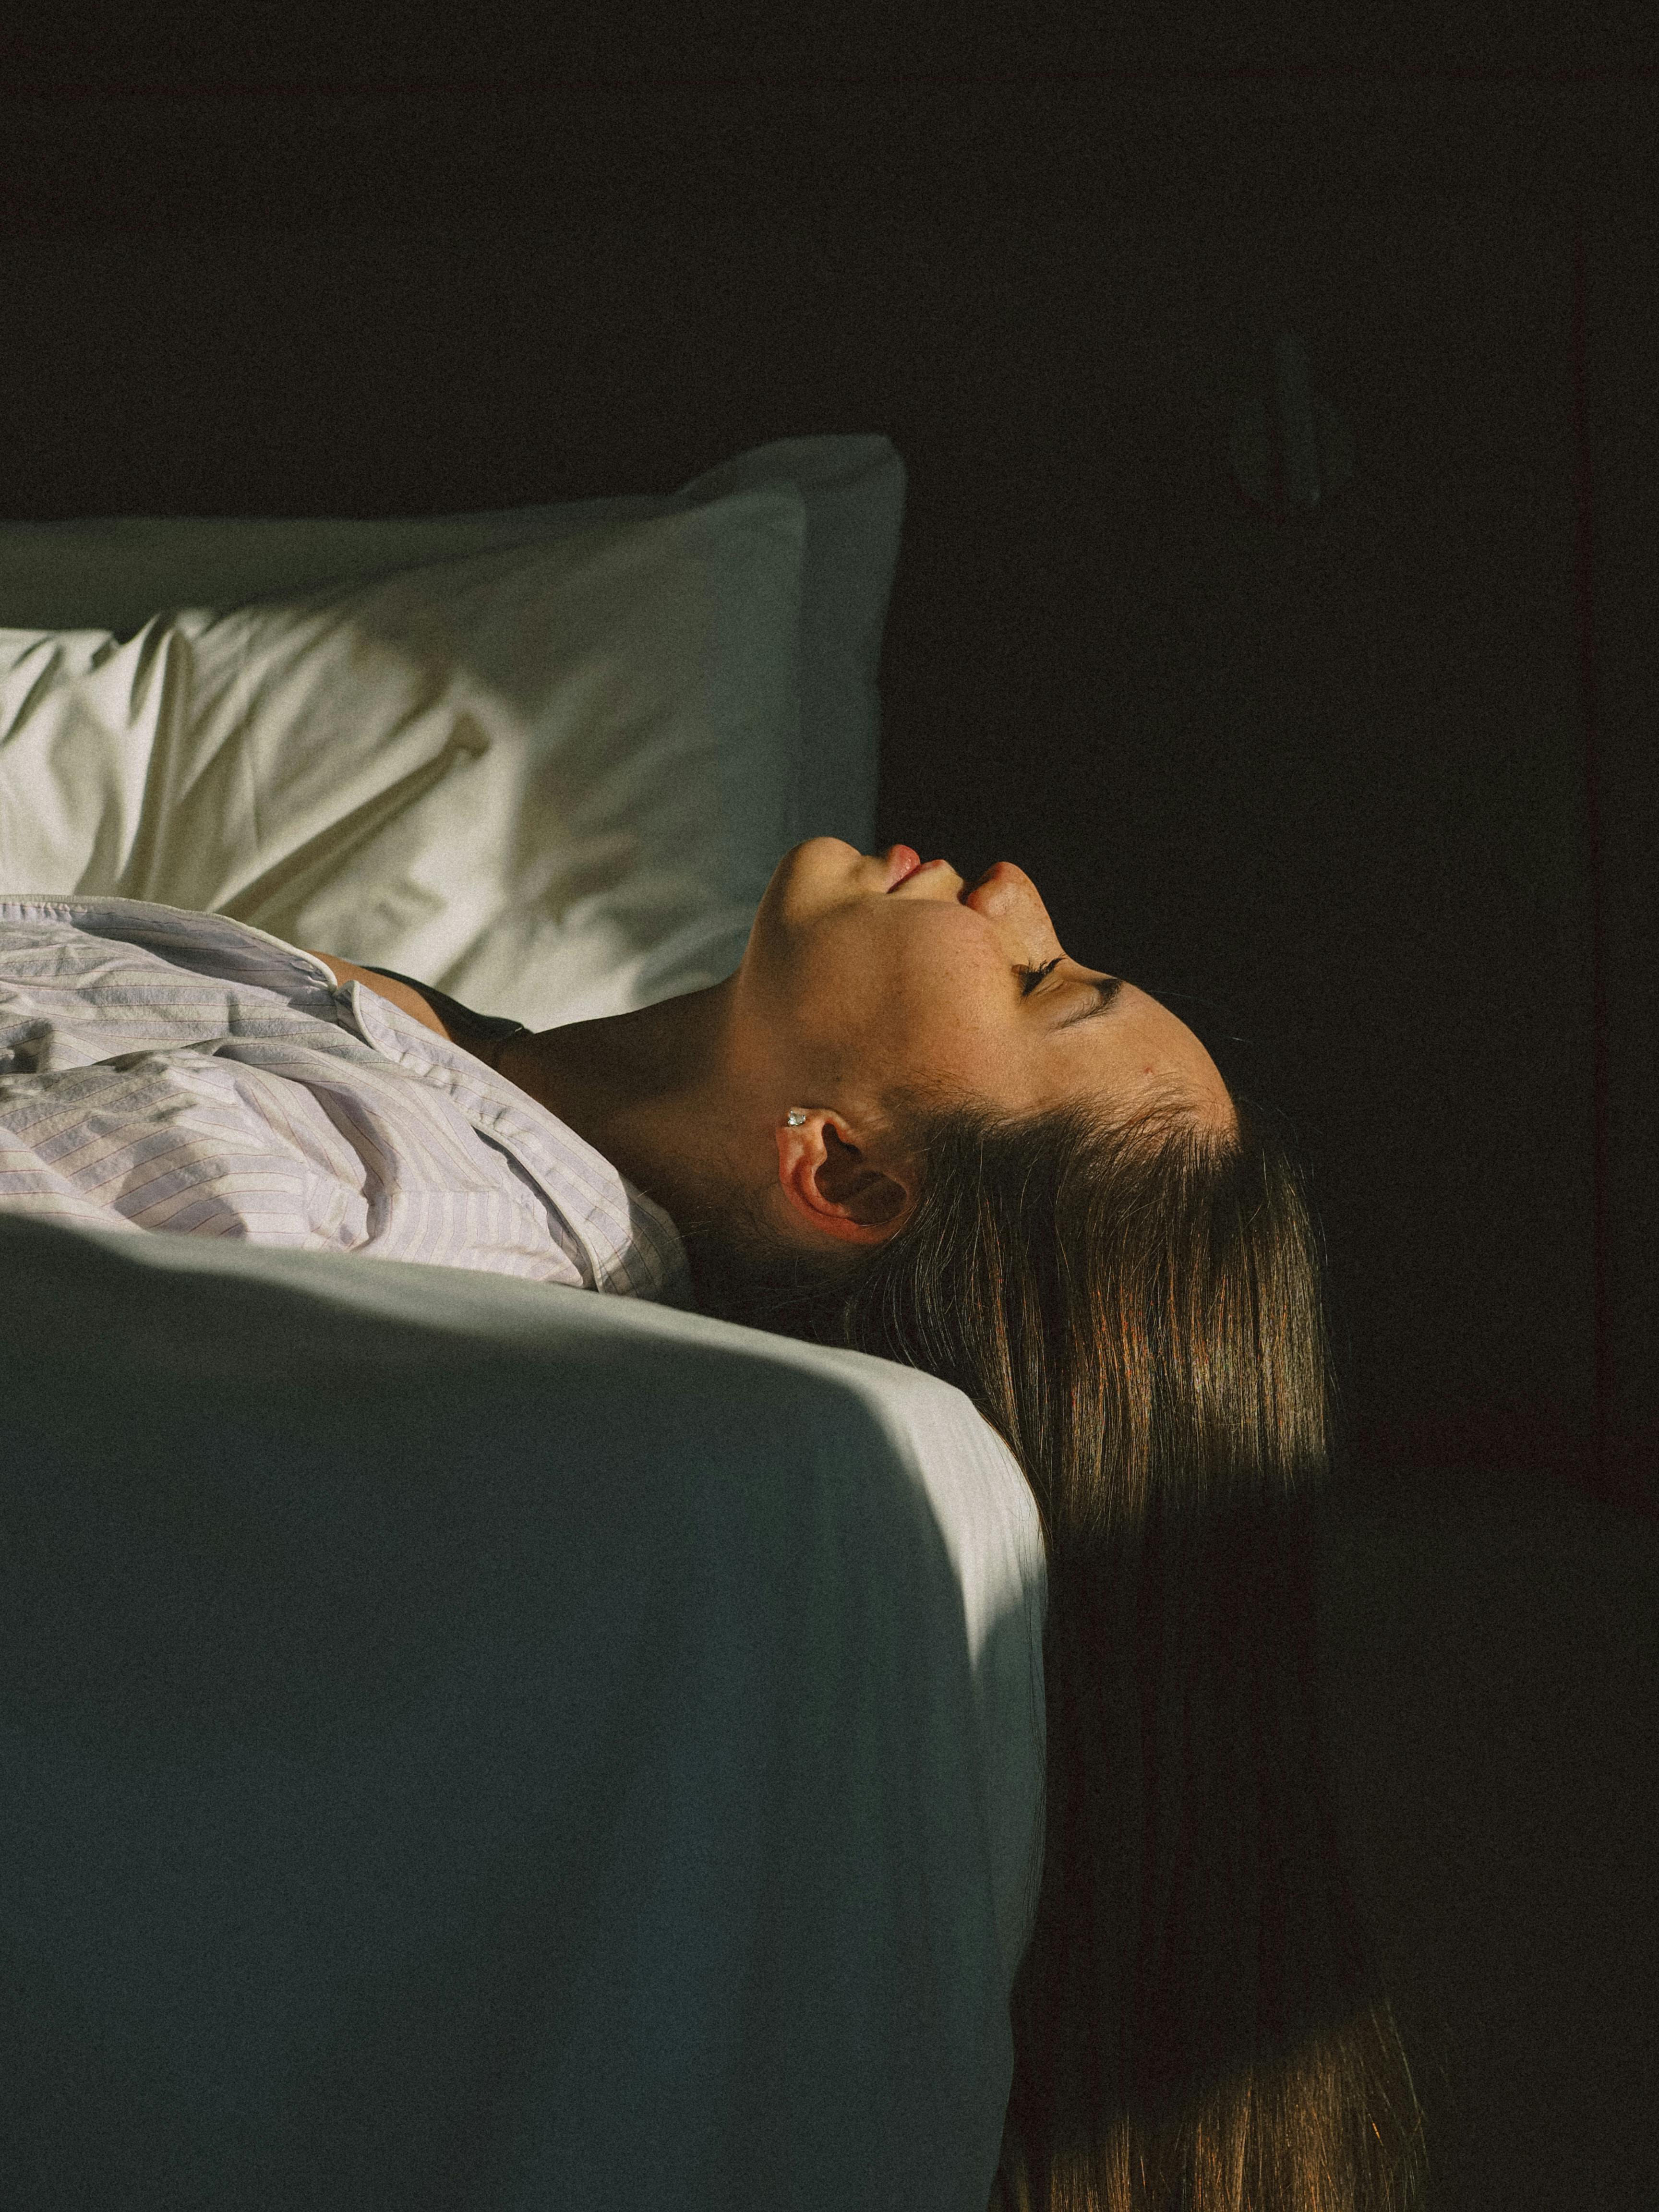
<point x="829" y="864"/>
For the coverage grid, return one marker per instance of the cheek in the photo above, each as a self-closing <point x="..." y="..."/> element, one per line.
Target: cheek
<point x="949" y="1006"/>
<point x="903" y="986"/>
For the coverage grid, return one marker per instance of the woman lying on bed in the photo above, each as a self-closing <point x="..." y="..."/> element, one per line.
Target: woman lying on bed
<point x="909" y="1123"/>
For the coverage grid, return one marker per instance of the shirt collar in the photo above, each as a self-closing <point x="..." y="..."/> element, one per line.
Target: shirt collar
<point x="630" y="1242"/>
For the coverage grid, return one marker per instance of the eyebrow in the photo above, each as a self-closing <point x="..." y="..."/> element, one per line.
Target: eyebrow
<point x="1105" y="988"/>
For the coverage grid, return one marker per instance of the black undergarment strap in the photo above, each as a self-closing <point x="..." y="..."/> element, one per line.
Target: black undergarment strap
<point x="452" y="1010"/>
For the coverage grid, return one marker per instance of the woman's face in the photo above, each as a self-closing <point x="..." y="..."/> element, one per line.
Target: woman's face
<point x="865" y="981"/>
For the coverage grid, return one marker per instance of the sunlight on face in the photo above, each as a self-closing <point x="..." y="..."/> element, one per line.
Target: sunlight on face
<point x="858" y="981"/>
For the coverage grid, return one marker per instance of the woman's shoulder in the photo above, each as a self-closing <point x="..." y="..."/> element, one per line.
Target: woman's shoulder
<point x="406" y="995"/>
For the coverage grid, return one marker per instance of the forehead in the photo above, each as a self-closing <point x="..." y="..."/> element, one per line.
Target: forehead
<point x="1139" y="1042"/>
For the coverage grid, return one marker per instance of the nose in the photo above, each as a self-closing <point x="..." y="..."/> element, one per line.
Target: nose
<point x="998" y="874"/>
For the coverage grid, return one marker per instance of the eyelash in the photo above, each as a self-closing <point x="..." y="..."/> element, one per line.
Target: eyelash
<point x="1033" y="976"/>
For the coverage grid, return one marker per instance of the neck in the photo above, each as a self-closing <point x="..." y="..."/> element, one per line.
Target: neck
<point x="646" y="1089"/>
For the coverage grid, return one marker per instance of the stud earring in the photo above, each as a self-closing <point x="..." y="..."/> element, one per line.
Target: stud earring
<point x="796" y="1117"/>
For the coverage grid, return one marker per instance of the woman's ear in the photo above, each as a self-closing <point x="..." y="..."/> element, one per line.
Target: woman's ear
<point x="830" y="1188"/>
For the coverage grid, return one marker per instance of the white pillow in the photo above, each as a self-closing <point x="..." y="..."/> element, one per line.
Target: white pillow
<point x="113" y="573"/>
<point x="551" y="779"/>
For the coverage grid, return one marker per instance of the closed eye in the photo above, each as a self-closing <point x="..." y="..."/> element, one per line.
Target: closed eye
<point x="1033" y="976"/>
<point x="1105" y="988"/>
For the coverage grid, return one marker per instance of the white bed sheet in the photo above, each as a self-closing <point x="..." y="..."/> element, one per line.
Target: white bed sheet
<point x="413" y="1672"/>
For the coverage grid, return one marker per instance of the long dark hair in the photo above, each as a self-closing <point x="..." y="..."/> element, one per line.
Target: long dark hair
<point x="1137" y="1305"/>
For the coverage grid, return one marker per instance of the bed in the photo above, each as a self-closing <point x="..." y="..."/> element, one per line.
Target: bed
<point x="468" y="1742"/>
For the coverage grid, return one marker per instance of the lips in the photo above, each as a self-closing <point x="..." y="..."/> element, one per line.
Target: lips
<point x="903" y="861"/>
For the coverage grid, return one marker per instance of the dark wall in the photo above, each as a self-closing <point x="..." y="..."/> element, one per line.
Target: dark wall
<point x="1322" y="783"/>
